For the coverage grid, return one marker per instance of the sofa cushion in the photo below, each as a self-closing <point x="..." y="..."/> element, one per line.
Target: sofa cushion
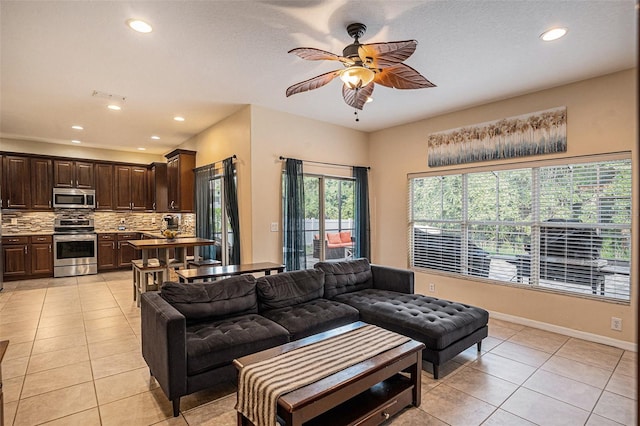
<point x="217" y="299"/>
<point x="313" y="317"/>
<point x="345" y="237"/>
<point x="333" y="238"/>
<point x="217" y="343"/>
<point x="290" y="288"/>
<point x="344" y="277"/>
<point x="436" y="322"/>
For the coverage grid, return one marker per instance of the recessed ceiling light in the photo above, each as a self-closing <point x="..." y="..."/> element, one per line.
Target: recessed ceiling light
<point x="142" y="149"/>
<point x="553" y="34"/>
<point x="75" y="141"/>
<point x="178" y="118"/>
<point x="114" y="107"/>
<point x="155" y="138"/>
<point x="76" y="127"/>
<point x="139" y="26"/>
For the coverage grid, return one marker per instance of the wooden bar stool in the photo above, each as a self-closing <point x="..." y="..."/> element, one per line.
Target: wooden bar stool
<point x="144" y="276"/>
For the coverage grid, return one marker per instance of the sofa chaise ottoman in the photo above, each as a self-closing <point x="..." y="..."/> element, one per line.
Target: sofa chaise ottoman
<point x="446" y="328"/>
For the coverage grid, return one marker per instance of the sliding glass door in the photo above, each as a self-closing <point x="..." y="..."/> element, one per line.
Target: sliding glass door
<point x="329" y="218"/>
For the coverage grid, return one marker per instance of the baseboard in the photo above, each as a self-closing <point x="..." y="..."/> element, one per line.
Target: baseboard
<point x="628" y="346"/>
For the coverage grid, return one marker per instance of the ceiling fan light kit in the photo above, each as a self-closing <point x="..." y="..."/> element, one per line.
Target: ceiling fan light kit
<point x="364" y="66"/>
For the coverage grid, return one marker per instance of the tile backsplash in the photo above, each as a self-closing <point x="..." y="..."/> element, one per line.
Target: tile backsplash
<point x="17" y="222"/>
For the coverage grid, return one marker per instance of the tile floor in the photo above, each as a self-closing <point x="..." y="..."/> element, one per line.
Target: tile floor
<point x="74" y="359"/>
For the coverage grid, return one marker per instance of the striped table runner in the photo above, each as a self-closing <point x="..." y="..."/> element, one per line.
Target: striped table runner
<point x="262" y="383"/>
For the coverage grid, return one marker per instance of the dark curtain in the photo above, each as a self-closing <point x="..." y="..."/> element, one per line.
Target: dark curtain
<point x="205" y="224"/>
<point x="231" y="202"/>
<point x="293" y="212"/>
<point x="363" y="232"/>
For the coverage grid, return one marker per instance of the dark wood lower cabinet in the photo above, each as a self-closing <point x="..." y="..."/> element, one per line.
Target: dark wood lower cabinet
<point x="41" y="255"/>
<point x="126" y="252"/>
<point x="114" y="252"/>
<point x="27" y="257"/>
<point x="107" y="252"/>
<point x="16" y="257"/>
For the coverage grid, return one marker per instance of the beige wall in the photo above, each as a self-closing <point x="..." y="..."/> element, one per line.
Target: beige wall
<point x="276" y="134"/>
<point x="259" y="136"/>
<point x="601" y="117"/>
<point x="231" y="136"/>
<point x="76" y="151"/>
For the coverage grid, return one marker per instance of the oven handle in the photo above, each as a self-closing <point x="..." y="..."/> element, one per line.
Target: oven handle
<point x="91" y="237"/>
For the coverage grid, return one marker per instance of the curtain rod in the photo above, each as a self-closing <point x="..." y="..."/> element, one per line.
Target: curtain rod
<point x="197" y="169"/>
<point x="322" y="162"/>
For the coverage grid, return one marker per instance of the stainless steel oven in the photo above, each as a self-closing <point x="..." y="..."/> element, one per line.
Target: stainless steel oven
<point x="75" y="248"/>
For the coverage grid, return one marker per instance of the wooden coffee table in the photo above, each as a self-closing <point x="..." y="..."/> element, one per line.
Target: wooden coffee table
<point x="367" y="393"/>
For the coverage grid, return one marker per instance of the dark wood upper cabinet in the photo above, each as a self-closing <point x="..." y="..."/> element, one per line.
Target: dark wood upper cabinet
<point x="139" y="188"/>
<point x="16" y="178"/>
<point x="104" y="186"/>
<point x="41" y="183"/>
<point x="73" y="174"/>
<point x="157" y="185"/>
<point x="180" y="180"/>
<point x="84" y="175"/>
<point x="122" y="187"/>
<point x="131" y="188"/>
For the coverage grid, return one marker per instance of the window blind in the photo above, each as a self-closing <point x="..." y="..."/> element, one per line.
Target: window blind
<point x="564" y="227"/>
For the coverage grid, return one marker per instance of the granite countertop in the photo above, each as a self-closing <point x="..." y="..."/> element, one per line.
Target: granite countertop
<point x="26" y="234"/>
<point x="155" y="233"/>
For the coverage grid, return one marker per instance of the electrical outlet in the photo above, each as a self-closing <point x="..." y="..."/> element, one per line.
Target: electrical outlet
<point x="153" y="220"/>
<point x="274" y="226"/>
<point x="432" y="287"/>
<point x="122" y="221"/>
<point x="616" y="324"/>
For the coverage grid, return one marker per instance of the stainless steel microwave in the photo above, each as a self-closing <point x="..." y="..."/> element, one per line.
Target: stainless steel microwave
<point x="71" y="198"/>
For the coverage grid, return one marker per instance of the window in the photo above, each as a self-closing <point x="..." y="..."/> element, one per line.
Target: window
<point x="561" y="227"/>
<point x="329" y="211"/>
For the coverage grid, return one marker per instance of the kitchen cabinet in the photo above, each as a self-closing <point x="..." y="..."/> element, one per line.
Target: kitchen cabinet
<point x="157" y="184"/>
<point x="41" y="255"/>
<point x="27" y="183"/>
<point x="16" y="257"/>
<point x="107" y="252"/>
<point x="73" y="174"/>
<point x="126" y="252"/>
<point x="114" y="252"/>
<point x="27" y="257"/>
<point x="16" y="178"/>
<point x="131" y="188"/>
<point x="180" y="180"/>
<point x="41" y="183"/>
<point x="104" y="186"/>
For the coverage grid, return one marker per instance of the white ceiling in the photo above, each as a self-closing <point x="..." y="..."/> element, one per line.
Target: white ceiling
<point x="206" y="59"/>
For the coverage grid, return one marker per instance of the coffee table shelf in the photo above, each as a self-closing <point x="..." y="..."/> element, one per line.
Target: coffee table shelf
<point x="371" y="407"/>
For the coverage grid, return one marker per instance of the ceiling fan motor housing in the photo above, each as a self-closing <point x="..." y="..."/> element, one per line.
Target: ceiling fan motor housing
<point x="356" y="31"/>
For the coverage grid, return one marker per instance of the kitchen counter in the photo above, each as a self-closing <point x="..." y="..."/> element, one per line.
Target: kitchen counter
<point x="153" y="233"/>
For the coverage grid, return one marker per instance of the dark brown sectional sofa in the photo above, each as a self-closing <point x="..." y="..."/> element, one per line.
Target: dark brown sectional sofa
<point x="192" y="332"/>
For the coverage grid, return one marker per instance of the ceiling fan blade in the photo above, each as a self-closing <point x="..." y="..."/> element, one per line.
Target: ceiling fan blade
<point x="401" y="76"/>
<point x="381" y="55"/>
<point x="312" y="83"/>
<point x="312" y="54"/>
<point x="357" y="97"/>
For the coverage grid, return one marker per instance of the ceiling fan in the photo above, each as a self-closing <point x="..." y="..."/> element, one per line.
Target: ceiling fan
<point x="364" y="66"/>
